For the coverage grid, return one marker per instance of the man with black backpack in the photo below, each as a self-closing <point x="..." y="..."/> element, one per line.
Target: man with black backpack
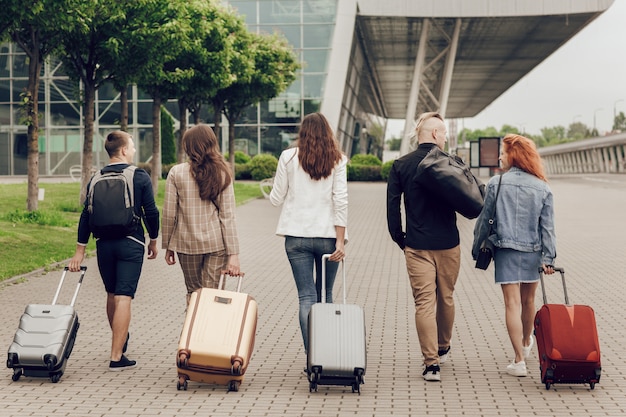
<point x="119" y="196"/>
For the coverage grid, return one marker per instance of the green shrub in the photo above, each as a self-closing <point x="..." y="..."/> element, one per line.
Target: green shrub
<point x="168" y="138"/>
<point x="146" y="167"/>
<point x="385" y="169"/>
<point x="362" y="159"/>
<point x="165" y="169"/>
<point x="357" y="172"/>
<point x="263" y="166"/>
<point x="240" y="157"/>
<point x="242" y="171"/>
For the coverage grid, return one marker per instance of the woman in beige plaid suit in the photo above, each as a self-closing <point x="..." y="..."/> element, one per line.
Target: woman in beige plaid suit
<point x="199" y="213"/>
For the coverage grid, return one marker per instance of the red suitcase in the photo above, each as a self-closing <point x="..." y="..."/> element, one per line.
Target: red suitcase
<point x="567" y="341"/>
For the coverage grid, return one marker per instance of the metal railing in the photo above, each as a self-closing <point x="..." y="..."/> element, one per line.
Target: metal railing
<point x="605" y="154"/>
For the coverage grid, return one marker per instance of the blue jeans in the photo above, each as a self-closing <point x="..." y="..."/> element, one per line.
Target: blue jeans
<point x="303" y="254"/>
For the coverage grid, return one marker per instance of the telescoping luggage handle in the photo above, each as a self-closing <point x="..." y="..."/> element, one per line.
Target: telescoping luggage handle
<point x="543" y="288"/>
<point x="343" y="273"/>
<point x="222" y="282"/>
<point x="83" y="269"/>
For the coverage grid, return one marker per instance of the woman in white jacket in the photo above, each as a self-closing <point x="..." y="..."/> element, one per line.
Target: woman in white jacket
<point x="311" y="185"/>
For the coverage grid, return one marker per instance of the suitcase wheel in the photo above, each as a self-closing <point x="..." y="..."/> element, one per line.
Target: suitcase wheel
<point x="17" y="373"/>
<point x="236" y="368"/>
<point x="56" y="377"/>
<point x="183" y="360"/>
<point x="12" y="360"/>
<point x="592" y="385"/>
<point x="50" y="361"/>
<point x="313" y="386"/>
<point x="233" y="386"/>
<point x="182" y="383"/>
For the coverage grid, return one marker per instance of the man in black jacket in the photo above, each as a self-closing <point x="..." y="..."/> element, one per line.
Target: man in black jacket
<point x="120" y="259"/>
<point x="430" y="244"/>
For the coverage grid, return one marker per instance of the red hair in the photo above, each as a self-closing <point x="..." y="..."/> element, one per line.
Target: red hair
<point x="522" y="153"/>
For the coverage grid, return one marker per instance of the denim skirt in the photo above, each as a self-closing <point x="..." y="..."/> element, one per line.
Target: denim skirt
<point x="514" y="267"/>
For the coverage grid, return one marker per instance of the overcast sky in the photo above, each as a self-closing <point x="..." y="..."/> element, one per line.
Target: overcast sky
<point x="586" y="76"/>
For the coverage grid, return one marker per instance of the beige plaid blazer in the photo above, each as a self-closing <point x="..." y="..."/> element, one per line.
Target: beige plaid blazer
<point x="193" y="226"/>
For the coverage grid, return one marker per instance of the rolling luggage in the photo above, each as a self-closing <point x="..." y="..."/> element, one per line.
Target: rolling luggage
<point x="45" y="337"/>
<point x="218" y="337"/>
<point x="337" y="347"/>
<point x="567" y="341"/>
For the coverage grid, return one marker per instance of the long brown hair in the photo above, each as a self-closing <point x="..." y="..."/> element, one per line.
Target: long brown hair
<point x="318" y="151"/>
<point x="208" y="166"/>
<point x="522" y="153"/>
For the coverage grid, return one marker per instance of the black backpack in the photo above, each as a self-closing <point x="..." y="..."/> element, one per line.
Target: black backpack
<point x="111" y="204"/>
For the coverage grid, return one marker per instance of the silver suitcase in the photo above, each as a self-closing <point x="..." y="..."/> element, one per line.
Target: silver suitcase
<point x="45" y="337"/>
<point x="337" y="348"/>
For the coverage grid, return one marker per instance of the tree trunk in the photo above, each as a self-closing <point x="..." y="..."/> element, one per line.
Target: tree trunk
<point x="218" y="106"/>
<point x="231" y="144"/>
<point x="156" y="144"/>
<point x="32" y="113"/>
<point x="182" y="112"/>
<point x="124" y="109"/>
<point x="90" y="94"/>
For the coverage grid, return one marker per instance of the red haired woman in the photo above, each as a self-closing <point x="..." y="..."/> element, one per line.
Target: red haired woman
<point x="524" y="238"/>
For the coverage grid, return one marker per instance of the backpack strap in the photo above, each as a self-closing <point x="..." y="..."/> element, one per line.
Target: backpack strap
<point x="129" y="173"/>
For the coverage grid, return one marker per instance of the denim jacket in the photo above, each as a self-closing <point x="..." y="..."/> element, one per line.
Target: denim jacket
<point x="524" y="215"/>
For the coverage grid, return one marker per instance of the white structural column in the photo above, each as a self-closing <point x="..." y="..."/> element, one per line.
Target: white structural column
<point x="415" y="86"/>
<point x="449" y="69"/>
<point x="339" y="61"/>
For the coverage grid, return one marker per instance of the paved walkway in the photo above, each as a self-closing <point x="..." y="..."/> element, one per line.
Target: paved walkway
<point x="591" y="236"/>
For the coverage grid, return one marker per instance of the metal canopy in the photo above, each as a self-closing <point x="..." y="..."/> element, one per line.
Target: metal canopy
<point x="493" y="54"/>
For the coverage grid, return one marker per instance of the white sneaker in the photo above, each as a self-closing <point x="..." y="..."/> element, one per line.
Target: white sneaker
<point x="432" y="373"/>
<point x="443" y="355"/>
<point x="527" y="349"/>
<point x="517" y="369"/>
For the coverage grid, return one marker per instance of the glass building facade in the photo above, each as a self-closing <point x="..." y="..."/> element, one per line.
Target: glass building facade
<point x="269" y="127"/>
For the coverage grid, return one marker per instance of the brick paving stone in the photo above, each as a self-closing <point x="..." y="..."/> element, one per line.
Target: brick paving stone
<point x="591" y="242"/>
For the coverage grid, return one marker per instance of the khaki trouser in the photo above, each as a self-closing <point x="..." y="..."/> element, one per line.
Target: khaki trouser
<point x="433" y="274"/>
<point x="202" y="271"/>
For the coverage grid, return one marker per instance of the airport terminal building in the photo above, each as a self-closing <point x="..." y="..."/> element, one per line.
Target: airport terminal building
<point x="364" y="61"/>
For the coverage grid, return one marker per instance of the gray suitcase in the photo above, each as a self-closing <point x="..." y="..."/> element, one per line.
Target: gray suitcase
<point x="45" y="337"/>
<point x="337" y="347"/>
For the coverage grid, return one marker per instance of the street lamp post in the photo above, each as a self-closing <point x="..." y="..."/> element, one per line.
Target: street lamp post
<point x="594" y="118"/>
<point x="615" y="108"/>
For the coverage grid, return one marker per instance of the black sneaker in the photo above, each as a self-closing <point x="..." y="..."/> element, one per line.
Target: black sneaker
<point x="126" y="343"/>
<point x="123" y="363"/>
<point x="431" y="373"/>
<point x="443" y="355"/>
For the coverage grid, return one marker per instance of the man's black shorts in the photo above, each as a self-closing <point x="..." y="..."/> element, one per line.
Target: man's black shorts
<point x="120" y="262"/>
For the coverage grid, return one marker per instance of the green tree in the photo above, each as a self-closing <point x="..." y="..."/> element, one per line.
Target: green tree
<point x="554" y="135"/>
<point x="168" y="139"/>
<point x="215" y="31"/>
<point x="577" y="131"/>
<point x="394" y="144"/>
<point x="34" y="27"/>
<point x="619" y="123"/>
<point x="275" y="66"/>
<point x="165" y="74"/>
<point x="145" y="27"/>
<point x="84" y="49"/>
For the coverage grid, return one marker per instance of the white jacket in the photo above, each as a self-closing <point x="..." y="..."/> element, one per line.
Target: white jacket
<point x="310" y="208"/>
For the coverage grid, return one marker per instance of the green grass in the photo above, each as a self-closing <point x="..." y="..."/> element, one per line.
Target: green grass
<point x="43" y="238"/>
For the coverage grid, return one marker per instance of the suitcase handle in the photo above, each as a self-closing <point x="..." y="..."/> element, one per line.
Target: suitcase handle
<point x="83" y="269"/>
<point x="343" y="273"/>
<point x="543" y="289"/>
<point x="222" y="282"/>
